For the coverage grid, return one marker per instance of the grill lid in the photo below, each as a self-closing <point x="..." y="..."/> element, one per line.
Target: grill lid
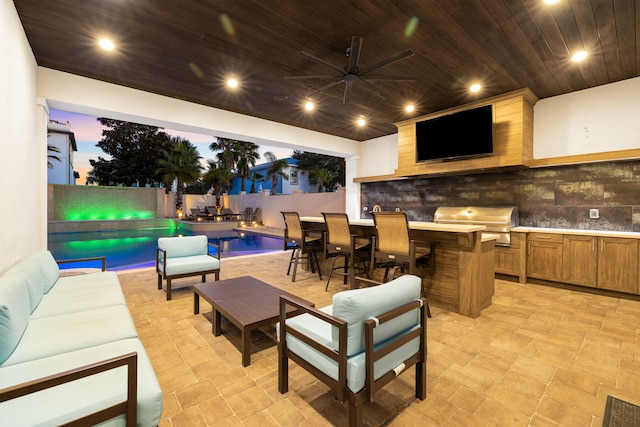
<point x="491" y="217"/>
<point x="496" y="219"/>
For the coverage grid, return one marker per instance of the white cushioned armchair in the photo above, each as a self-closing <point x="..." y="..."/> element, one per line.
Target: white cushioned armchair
<point x="358" y="344"/>
<point x="185" y="256"/>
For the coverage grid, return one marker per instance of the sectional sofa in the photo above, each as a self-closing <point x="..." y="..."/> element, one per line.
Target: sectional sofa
<point x="74" y="338"/>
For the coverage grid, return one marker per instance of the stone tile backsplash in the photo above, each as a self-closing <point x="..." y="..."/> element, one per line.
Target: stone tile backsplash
<point x="555" y="197"/>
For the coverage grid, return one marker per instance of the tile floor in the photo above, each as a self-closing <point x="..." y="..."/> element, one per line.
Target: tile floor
<point x="539" y="356"/>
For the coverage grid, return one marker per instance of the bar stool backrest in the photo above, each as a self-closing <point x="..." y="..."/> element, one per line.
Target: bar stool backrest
<point x="338" y="232"/>
<point x="392" y="232"/>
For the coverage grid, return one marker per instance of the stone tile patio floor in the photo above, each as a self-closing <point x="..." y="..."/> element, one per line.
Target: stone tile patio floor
<point x="539" y="356"/>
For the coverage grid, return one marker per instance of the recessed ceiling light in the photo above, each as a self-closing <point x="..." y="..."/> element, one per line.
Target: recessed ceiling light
<point x="361" y="122"/>
<point x="309" y="106"/>
<point x="579" y="56"/>
<point x="551" y="1"/>
<point x="232" y="83"/>
<point x="475" y="87"/>
<point x="106" y="44"/>
<point x="410" y="108"/>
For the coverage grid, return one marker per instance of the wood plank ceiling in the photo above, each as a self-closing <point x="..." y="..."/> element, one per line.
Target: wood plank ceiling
<point x="185" y="49"/>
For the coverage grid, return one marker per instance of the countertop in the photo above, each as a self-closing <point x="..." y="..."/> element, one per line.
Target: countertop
<point x="602" y="233"/>
<point x="414" y="225"/>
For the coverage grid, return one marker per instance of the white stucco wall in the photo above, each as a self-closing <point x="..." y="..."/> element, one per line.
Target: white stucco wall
<point x="600" y="119"/>
<point x="379" y="156"/>
<point x="22" y="155"/>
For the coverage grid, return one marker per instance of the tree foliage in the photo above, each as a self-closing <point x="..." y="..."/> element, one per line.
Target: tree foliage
<point x="327" y="171"/>
<point x="219" y="177"/>
<point x="237" y="156"/>
<point x="180" y="162"/>
<point x="275" y="170"/>
<point x="134" y="149"/>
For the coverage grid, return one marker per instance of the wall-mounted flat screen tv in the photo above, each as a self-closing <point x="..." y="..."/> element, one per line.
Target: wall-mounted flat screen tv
<point x="467" y="133"/>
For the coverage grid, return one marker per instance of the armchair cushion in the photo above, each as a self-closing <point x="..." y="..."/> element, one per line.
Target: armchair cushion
<point x="183" y="246"/>
<point x="357" y="305"/>
<point x="189" y="264"/>
<point x="14" y="314"/>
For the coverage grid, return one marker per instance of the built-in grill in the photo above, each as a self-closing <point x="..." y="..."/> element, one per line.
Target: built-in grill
<point x="498" y="220"/>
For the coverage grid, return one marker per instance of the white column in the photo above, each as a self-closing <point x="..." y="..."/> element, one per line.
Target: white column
<point x="352" y="189"/>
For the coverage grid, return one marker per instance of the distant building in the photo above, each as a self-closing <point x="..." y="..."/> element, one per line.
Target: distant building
<point x="298" y="180"/>
<point x="59" y="136"/>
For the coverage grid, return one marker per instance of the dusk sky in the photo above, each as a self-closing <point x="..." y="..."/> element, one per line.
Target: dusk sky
<point x="88" y="131"/>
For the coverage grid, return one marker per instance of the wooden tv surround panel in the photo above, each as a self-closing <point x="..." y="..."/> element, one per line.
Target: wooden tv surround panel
<point x="512" y="143"/>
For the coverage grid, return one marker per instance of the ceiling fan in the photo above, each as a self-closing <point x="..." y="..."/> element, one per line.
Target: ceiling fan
<point x="351" y="74"/>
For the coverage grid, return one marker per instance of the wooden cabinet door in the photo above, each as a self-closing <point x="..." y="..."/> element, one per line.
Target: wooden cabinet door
<point x="580" y="260"/>
<point x="618" y="264"/>
<point x="507" y="260"/>
<point x="544" y="256"/>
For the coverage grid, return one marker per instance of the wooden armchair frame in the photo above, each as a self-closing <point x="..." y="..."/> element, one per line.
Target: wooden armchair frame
<point x="162" y="273"/>
<point x="128" y="407"/>
<point x="339" y="387"/>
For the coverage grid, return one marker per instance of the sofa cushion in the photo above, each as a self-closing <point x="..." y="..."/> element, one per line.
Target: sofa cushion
<point x="50" y="270"/>
<point x="84" y="395"/>
<point x="102" y="279"/>
<point x="49" y="336"/>
<point x="190" y="264"/>
<point x="183" y="246"/>
<point x="30" y="270"/>
<point x="14" y="313"/>
<point x="80" y="298"/>
<point x="357" y="305"/>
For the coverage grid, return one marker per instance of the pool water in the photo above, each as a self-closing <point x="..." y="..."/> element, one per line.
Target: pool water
<point x="125" y="249"/>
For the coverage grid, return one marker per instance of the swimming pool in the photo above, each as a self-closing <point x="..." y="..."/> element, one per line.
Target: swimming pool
<point x="126" y="249"/>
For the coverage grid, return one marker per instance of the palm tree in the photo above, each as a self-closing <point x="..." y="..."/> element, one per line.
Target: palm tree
<point x="324" y="178"/>
<point x="226" y="152"/>
<point x="181" y="163"/>
<point x="247" y="155"/>
<point x="255" y="176"/>
<point x="219" y="177"/>
<point x="50" y="157"/>
<point x="275" y="170"/>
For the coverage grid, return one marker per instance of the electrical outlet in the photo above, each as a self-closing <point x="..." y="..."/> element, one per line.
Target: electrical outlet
<point x="594" y="213"/>
<point x="365" y="208"/>
<point x="397" y="209"/>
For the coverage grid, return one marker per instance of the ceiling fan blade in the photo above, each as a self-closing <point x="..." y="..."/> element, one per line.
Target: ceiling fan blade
<point x="354" y="55"/>
<point x="390" y="60"/>
<point x="373" y="89"/>
<point x="381" y="77"/>
<point x="320" y="61"/>
<point x="325" y="87"/>
<point x="319" y="76"/>
<point x="347" y="91"/>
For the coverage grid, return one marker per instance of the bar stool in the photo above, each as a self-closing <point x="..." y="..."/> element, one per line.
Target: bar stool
<point x="305" y="247"/>
<point x="394" y="251"/>
<point x="339" y="242"/>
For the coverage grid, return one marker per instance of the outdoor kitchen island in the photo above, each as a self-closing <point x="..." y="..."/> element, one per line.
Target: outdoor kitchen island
<point x="463" y="281"/>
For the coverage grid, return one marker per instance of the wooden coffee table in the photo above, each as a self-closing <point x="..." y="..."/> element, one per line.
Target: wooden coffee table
<point x="246" y="302"/>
